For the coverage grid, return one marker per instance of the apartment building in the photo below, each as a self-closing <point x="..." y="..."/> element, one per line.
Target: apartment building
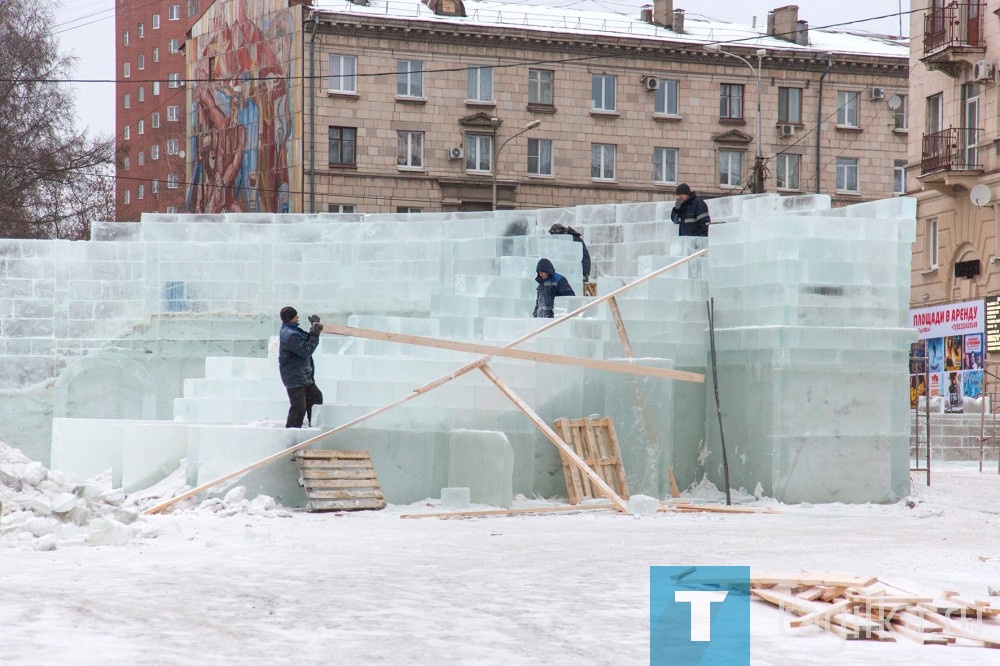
<point x="954" y="55"/>
<point x="150" y="104"/>
<point x="397" y="106"/>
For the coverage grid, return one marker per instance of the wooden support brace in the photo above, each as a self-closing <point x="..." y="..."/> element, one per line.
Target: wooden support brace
<point x="620" y="327"/>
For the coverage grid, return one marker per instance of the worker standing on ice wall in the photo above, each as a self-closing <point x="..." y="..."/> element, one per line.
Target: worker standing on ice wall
<point x="550" y="285"/>
<point x="296" y="365"/>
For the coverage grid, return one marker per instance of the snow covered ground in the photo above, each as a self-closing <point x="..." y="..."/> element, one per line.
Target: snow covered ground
<point x="244" y="582"/>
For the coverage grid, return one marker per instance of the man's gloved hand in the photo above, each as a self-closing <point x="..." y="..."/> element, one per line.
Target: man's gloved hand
<point x="313" y="319"/>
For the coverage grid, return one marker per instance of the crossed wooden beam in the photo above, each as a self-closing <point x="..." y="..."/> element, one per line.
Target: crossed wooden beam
<point x="482" y="364"/>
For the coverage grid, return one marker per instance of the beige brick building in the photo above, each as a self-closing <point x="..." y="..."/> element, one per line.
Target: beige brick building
<point x="406" y="106"/>
<point x="954" y="148"/>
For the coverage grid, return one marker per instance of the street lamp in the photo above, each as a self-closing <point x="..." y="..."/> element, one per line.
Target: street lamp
<point x="496" y="153"/>
<point x="758" y="162"/>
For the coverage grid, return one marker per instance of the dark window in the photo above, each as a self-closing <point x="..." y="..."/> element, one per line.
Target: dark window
<point x="342" y="145"/>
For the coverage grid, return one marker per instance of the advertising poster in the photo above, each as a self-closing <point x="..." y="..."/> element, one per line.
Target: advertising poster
<point x="952" y="349"/>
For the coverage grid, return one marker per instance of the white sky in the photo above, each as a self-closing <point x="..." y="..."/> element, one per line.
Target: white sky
<point x="85" y="29"/>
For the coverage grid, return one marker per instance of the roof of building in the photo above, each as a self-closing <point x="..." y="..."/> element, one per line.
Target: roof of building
<point x="574" y="21"/>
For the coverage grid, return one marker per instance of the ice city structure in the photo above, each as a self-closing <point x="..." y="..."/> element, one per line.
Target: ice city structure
<point x="153" y="343"/>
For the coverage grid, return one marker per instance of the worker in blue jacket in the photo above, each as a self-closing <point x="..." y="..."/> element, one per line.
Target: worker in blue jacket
<point x="295" y="363"/>
<point x="690" y="213"/>
<point x="550" y="285"/>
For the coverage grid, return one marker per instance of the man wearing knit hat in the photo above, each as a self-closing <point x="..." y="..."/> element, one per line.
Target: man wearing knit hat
<point x="690" y="213"/>
<point x="296" y="365"/>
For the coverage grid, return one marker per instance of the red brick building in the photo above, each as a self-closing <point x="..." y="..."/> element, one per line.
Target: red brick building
<point x="150" y="104"/>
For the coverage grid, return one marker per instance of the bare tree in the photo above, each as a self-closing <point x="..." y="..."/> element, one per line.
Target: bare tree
<point x="54" y="179"/>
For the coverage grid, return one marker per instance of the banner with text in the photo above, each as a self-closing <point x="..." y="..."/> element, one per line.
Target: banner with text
<point x="950" y="352"/>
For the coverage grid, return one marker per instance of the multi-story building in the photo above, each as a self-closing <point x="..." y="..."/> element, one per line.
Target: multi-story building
<point x="395" y="105"/>
<point x="956" y="154"/>
<point x="150" y="104"/>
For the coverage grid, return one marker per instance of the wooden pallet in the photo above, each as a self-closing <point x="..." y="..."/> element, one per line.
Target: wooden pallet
<point x="594" y="440"/>
<point x="339" y="480"/>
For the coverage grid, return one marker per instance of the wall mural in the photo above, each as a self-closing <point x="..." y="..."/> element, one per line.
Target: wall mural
<point x="242" y="58"/>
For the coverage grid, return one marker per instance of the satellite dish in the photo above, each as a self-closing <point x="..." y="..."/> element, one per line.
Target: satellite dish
<point x="980" y="195"/>
<point x="180" y="154"/>
<point x="895" y="103"/>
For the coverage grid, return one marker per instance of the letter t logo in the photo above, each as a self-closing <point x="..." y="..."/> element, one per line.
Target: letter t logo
<point x="701" y="611"/>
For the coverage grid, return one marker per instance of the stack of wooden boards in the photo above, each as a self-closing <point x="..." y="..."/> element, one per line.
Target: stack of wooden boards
<point x="857" y="607"/>
<point x="339" y="480"/>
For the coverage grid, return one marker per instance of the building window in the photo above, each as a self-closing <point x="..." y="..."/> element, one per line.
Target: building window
<point x="127" y="132"/>
<point x="142" y="93"/>
<point x="126" y="163"/>
<point x="174" y="46"/>
<point x="789" y="105"/>
<point x="125" y="38"/>
<point x="664" y="165"/>
<point x="173" y="80"/>
<point x="173" y="113"/>
<point x="410" y="78"/>
<point x="935" y="113"/>
<point x="408" y="209"/>
<point x="141" y="158"/>
<point x="847" y="174"/>
<point x="901" y="116"/>
<point x="173" y="146"/>
<point x="140" y="62"/>
<point x="127" y="101"/>
<point x="140" y="127"/>
<point x="156" y="88"/>
<point x="602" y="92"/>
<point x="480" y="84"/>
<point x="932" y="243"/>
<point x="141" y="30"/>
<point x="787" y="172"/>
<point x="156" y="21"/>
<point x="730" y="168"/>
<point x="540" y="157"/>
<point x="155" y="119"/>
<point x="156" y="54"/>
<point x="173" y="210"/>
<point x="192" y="7"/>
<point x="343" y="74"/>
<point x="172" y="181"/>
<point x="343" y="208"/>
<point x="127" y="197"/>
<point x="478" y="152"/>
<point x="343" y="145"/>
<point x="410" y="149"/>
<point x="140" y="191"/>
<point x="731" y="101"/>
<point x="665" y="99"/>
<point x="154" y="152"/>
<point x="127" y="69"/>
<point x="154" y="186"/>
<point x="540" y="83"/>
<point x="899" y="176"/>
<point x="847" y="108"/>
<point x="602" y="161"/>
<point x="174" y="13"/>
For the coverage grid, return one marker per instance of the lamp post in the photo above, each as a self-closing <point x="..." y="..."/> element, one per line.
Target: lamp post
<point x="496" y="153"/>
<point x="758" y="161"/>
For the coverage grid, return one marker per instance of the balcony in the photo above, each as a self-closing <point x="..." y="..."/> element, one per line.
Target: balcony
<point x="953" y="37"/>
<point x="949" y="159"/>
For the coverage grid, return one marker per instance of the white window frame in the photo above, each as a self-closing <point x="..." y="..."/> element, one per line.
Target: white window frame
<point x="479" y="84"/>
<point x="141" y="158"/>
<point x="788" y="171"/>
<point x="541" y="87"/>
<point x="847" y="108"/>
<point x="899" y="176"/>
<point x="125" y="38"/>
<point x="728" y="176"/>
<point x="173" y="181"/>
<point x="173" y="80"/>
<point x="604" y="94"/>
<point x="127" y="197"/>
<point x="603" y="161"/>
<point x="154" y="119"/>
<point x="140" y="191"/>
<point x="845" y="167"/>
<point x="540" y="157"/>
<point x="140" y="127"/>
<point x="156" y="21"/>
<point x="479" y="153"/>
<point x="348" y="209"/>
<point x="174" y="46"/>
<point x="931" y="241"/>
<point x="142" y="94"/>
<point x="661" y="164"/>
<point x="127" y="133"/>
<point x="790" y="104"/>
<point x="154" y="151"/>
<point x="156" y="54"/>
<point x="410" y="79"/>
<point x="156" y="88"/>
<point x="173" y="146"/>
<point x="127" y="101"/>
<point x="173" y="113"/>
<point x="126" y="163"/>
<point x="666" y="99"/>
<point x="901" y="116"/>
<point x="154" y="186"/>
<point x="174" y="13"/>
<point x="410" y="149"/>
<point x="141" y="31"/>
<point x="343" y="74"/>
<point x="732" y="97"/>
<point x="126" y="70"/>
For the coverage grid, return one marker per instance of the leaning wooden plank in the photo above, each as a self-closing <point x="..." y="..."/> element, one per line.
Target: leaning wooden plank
<point x="921" y="637"/>
<point x="810" y="578"/>
<point x="555" y="439"/>
<point x="674" y="490"/>
<point x="620" y="327"/>
<point x="809" y="593"/>
<point x="915" y="621"/>
<point x="342" y="483"/>
<point x="344" y="493"/>
<point x="574" y="486"/>
<point x="444" y="379"/>
<point x="856" y="626"/>
<point x="982" y="608"/>
<point x="831" y="592"/>
<point x="345" y="505"/>
<point x="952" y="628"/>
<point x="352" y="473"/>
<point x="510" y="512"/>
<point x="333" y="454"/>
<point x="521" y="354"/>
<point x="717" y="508"/>
<point x="335" y="464"/>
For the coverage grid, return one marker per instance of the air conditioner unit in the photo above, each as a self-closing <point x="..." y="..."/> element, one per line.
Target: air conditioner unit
<point x="786" y="130"/>
<point x="983" y="71"/>
<point x="651" y="83"/>
<point x="456" y="153"/>
<point x="875" y="94"/>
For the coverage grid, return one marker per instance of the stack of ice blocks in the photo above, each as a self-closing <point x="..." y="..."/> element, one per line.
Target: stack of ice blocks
<point x="811" y="308"/>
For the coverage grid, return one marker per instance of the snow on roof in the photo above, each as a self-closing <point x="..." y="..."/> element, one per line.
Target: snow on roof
<point x="576" y="21"/>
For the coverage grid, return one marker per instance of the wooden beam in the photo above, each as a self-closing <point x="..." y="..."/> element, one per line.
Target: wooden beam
<point x="521" y="354"/>
<point x="555" y="439"/>
<point x="511" y="512"/>
<point x="620" y="327"/>
<point x="806" y="578"/>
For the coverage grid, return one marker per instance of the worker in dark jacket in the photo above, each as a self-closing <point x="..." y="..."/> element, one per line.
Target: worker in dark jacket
<point x="550" y="285"/>
<point x="559" y="229"/>
<point x="296" y="365"/>
<point x="690" y="213"/>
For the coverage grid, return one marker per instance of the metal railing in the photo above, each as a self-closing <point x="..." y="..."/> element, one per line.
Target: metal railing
<point x="959" y="24"/>
<point x="953" y="149"/>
